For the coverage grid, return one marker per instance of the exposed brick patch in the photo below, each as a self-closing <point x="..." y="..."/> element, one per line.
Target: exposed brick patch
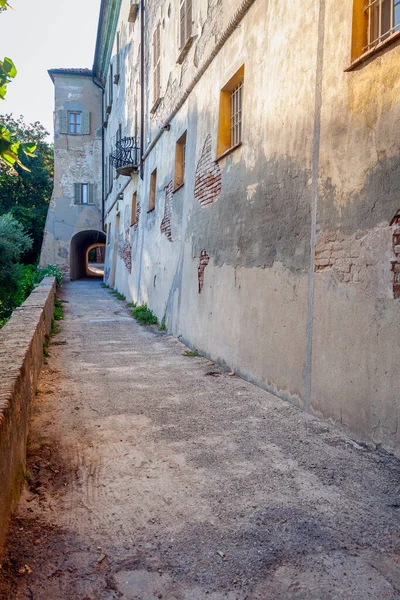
<point x="207" y="183"/>
<point x="124" y="244"/>
<point x="396" y="249"/>
<point x="361" y="259"/>
<point x="203" y="262"/>
<point x="166" y="222"/>
<point x="138" y="211"/>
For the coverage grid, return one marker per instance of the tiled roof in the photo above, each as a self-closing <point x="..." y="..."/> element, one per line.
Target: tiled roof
<point x="83" y="72"/>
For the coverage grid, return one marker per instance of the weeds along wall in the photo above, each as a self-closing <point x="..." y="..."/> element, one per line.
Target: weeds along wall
<point x="276" y="257"/>
<point x="21" y="358"/>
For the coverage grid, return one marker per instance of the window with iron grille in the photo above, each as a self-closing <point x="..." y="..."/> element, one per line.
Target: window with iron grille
<point x="236" y="114"/>
<point x="383" y="21"/>
<point x="230" y="125"/>
<point x="185" y="22"/>
<point x="157" y="63"/>
<point x="180" y="161"/>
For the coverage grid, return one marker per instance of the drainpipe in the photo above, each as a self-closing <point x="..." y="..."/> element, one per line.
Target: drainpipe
<point x="102" y="150"/>
<point x="142" y="85"/>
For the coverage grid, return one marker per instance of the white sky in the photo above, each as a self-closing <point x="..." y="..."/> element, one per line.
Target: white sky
<point x="39" y="35"/>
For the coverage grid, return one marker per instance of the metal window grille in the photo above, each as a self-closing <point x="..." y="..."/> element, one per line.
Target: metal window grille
<point x="383" y="20"/>
<point x="236" y="114"/>
<point x="183" y="159"/>
<point x="74" y="122"/>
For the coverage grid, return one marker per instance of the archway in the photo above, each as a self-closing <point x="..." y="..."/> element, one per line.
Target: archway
<point x="95" y="257"/>
<point x="81" y="244"/>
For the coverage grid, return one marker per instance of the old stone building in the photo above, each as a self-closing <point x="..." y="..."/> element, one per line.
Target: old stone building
<point x="251" y="185"/>
<point x="74" y="222"/>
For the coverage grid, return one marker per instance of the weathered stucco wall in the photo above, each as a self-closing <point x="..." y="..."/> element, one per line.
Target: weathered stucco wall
<point x="21" y="358"/>
<point x="278" y="259"/>
<point x="77" y="159"/>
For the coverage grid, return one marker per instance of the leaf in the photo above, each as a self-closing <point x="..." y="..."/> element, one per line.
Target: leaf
<point x="9" y="67"/>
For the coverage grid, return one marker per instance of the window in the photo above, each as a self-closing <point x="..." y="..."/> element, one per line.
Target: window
<point x="157" y="64"/>
<point x="110" y="87"/>
<point x="374" y="22"/>
<point x="84" y="193"/>
<point x="383" y="20"/>
<point x="231" y="114"/>
<point x="180" y="161"/>
<point x="133" y="209"/>
<point x="110" y="175"/>
<point x="118" y="73"/>
<point x="74" y="122"/>
<point x="152" y="195"/>
<point x="185" y="22"/>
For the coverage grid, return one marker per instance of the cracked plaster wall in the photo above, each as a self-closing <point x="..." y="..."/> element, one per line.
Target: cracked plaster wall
<point x="253" y="307"/>
<point x="77" y="159"/>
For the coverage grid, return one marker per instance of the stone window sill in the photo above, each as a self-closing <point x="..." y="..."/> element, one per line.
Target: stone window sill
<point x="185" y="50"/>
<point x="151" y="209"/>
<point x="380" y="48"/>
<point x="227" y="152"/>
<point x="178" y="187"/>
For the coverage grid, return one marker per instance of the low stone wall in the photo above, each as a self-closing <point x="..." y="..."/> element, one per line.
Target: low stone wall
<point x="21" y="358"/>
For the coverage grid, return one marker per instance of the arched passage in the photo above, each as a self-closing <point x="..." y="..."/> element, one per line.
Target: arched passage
<point x="80" y="246"/>
<point x="95" y="258"/>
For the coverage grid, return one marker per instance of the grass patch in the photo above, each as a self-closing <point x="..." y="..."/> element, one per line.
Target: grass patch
<point x="117" y="295"/>
<point x="191" y="353"/>
<point x="27" y="476"/>
<point x="131" y="304"/>
<point x="58" y="309"/>
<point x="163" y="326"/>
<point x="104" y="285"/>
<point x="144" y="316"/>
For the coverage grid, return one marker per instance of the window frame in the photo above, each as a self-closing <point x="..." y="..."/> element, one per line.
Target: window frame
<point x="180" y="161"/>
<point x="231" y="112"/>
<point x="362" y="46"/>
<point x="134" y="219"/>
<point x="152" y="191"/>
<point x="74" y="123"/>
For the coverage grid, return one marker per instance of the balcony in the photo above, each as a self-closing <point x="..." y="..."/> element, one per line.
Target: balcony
<point x="126" y="156"/>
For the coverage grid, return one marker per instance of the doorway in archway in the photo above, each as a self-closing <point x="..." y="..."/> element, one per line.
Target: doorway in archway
<point x="82" y="245"/>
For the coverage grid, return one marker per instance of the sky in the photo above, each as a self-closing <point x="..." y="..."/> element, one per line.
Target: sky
<point x="39" y="35"/>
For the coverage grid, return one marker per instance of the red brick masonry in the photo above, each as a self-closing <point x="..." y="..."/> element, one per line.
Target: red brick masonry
<point x="207" y="183"/>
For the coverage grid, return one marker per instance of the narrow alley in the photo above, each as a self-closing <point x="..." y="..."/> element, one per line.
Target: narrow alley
<point x="155" y="474"/>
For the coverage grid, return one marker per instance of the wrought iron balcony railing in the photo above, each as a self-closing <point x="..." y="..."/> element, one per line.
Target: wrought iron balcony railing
<point x="126" y="156"/>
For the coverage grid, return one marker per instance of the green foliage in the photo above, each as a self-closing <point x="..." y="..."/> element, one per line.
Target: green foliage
<point x="117" y="295"/>
<point x="144" y="316"/>
<point x="191" y="353"/>
<point x="163" y="326"/>
<point x="26" y="194"/>
<point x="11" y="148"/>
<point x="49" y="271"/>
<point x="104" y="285"/>
<point x="15" y="280"/>
<point x="58" y="309"/>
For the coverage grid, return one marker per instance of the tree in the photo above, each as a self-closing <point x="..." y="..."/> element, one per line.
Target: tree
<point x="26" y="194"/>
<point x="13" y="243"/>
<point x="11" y="148"/>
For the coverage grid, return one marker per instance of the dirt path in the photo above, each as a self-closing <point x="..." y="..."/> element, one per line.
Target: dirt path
<point x="155" y="475"/>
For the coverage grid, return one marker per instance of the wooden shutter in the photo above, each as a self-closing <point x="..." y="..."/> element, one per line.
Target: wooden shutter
<point x="78" y="193"/>
<point x="182" y="23"/>
<point x="85" y="122"/>
<point x="91" y="193"/>
<point x="188" y="19"/>
<point x="63" y="118"/>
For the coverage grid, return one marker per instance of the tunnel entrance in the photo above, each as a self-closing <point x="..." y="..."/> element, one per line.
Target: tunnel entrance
<point x="82" y="246"/>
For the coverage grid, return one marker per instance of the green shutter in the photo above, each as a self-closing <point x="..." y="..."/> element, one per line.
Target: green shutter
<point x="78" y="195"/>
<point x="91" y="193"/>
<point x="86" y="122"/>
<point x="63" y="118"/>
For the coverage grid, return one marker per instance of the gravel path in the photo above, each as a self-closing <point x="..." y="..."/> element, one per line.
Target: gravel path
<point x="158" y="475"/>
